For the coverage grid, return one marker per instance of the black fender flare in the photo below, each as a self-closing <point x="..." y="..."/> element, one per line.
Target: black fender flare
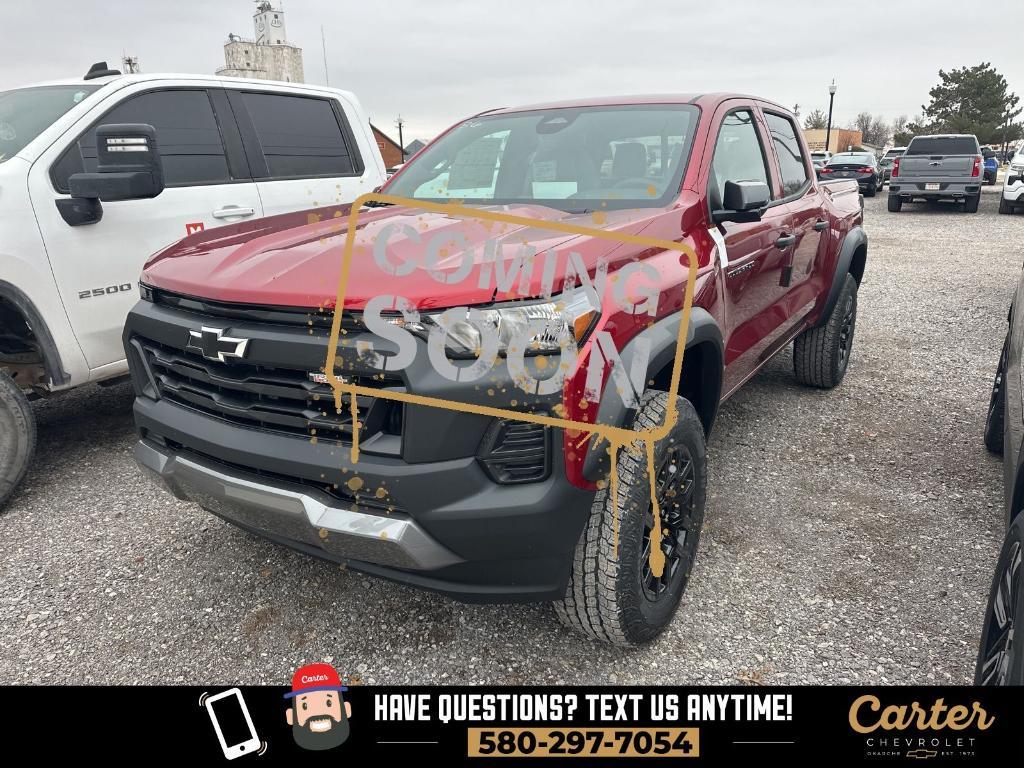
<point x="51" y="357"/>
<point x="663" y="336"/>
<point x="854" y="239"/>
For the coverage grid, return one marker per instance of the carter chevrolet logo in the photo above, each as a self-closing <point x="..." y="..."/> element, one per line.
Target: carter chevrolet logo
<point x="212" y="344"/>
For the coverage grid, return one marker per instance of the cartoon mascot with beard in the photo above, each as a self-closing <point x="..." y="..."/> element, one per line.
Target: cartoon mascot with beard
<point x="319" y="714"/>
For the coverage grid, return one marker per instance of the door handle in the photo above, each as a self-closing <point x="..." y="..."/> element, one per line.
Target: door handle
<point x="820" y="225"/>
<point x="785" y="241"/>
<point x="232" y="211"/>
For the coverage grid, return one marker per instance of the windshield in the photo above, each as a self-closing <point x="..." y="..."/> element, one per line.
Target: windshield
<point x="943" y="145"/>
<point x="572" y="159"/>
<point x="27" y="112"/>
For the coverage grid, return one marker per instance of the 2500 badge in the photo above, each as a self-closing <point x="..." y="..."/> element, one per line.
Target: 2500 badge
<point x="109" y="290"/>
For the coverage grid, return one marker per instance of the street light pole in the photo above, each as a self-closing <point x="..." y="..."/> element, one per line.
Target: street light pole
<point x="831" y="99"/>
<point x="401" y="141"/>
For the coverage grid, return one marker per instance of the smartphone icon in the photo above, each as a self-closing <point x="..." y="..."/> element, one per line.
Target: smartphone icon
<point x="231" y="721"/>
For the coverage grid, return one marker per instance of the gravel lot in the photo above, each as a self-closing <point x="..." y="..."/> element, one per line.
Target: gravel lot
<point x="850" y="535"/>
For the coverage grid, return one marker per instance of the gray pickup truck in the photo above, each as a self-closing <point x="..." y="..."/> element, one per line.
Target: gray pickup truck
<point x="946" y="167"/>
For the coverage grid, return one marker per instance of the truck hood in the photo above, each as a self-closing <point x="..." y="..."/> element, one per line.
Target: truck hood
<point x="294" y="260"/>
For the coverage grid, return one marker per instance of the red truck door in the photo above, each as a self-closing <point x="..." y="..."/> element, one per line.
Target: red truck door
<point x="754" y="253"/>
<point x="808" y="218"/>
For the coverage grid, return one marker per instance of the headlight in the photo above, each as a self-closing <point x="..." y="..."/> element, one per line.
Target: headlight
<point x="145" y="292"/>
<point x="541" y="326"/>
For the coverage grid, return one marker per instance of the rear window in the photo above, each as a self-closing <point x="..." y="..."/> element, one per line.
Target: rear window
<point x="895" y="153"/>
<point x="943" y="145"/>
<point x="852" y="160"/>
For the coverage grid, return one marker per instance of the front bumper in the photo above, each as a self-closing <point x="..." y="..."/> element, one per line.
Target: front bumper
<point x="294" y="513"/>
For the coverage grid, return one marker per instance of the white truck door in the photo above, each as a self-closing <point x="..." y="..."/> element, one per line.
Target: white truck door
<point x="208" y="184"/>
<point x="303" y="150"/>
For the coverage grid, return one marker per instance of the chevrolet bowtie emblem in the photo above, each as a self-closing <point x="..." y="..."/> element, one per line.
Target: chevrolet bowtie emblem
<point x="212" y="344"/>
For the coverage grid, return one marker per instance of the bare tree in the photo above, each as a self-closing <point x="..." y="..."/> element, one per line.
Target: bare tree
<point x="873" y="129"/>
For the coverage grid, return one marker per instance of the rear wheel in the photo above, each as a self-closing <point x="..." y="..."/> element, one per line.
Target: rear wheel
<point x="997" y="405"/>
<point x="971" y="204"/>
<point x="1001" y="653"/>
<point x="17" y="435"/>
<point x="613" y="594"/>
<point x="821" y="355"/>
<point x="895" y="203"/>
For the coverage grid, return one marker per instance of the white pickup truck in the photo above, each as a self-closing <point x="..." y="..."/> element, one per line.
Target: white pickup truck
<point x="230" y="150"/>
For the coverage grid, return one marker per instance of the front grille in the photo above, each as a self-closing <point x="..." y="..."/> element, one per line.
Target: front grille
<point x="351" y="322"/>
<point x="269" y="398"/>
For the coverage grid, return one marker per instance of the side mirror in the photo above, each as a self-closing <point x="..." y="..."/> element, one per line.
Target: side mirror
<point x="128" y="165"/>
<point x="743" y="201"/>
<point x="128" y="168"/>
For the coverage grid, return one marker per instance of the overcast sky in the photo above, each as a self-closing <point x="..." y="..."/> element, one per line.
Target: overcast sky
<point x="436" y="62"/>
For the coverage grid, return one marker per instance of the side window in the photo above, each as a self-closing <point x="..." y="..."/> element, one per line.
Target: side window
<point x="186" y="132"/>
<point x="300" y="136"/>
<point x="792" y="165"/>
<point x="738" y="156"/>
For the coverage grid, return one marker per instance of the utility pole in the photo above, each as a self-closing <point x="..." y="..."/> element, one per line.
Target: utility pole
<point x="401" y="142"/>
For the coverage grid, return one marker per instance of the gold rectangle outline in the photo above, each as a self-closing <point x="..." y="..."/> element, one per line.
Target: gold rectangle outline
<point x="614" y="434"/>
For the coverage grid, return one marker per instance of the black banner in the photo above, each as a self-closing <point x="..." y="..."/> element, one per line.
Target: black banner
<point x="483" y="726"/>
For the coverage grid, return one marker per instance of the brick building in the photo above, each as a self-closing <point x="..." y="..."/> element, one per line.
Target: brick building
<point x="390" y="149"/>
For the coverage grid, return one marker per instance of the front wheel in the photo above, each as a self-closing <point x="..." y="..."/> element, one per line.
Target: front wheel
<point x="821" y="355"/>
<point x="17" y="435"/>
<point x="1005" y="206"/>
<point x="997" y="405"/>
<point x="1001" y="653"/>
<point x="617" y="592"/>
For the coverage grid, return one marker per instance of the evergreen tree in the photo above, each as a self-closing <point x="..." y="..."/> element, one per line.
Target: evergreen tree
<point x="816" y="119"/>
<point x="971" y="100"/>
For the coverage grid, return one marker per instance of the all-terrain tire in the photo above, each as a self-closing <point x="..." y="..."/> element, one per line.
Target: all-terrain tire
<point x="1004" y="205"/>
<point x="997" y="405"/>
<point x="895" y="203"/>
<point x="971" y="204"/>
<point x="17" y="436"/>
<point x="821" y="355"/>
<point x="606" y="598"/>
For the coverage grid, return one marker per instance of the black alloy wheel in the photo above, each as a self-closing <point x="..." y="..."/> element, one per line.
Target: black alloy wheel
<point x="1001" y="654"/>
<point x="846" y="333"/>
<point x="680" y="524"/>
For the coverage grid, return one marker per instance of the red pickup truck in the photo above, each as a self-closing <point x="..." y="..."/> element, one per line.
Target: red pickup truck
<point x="236" y="412"/>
